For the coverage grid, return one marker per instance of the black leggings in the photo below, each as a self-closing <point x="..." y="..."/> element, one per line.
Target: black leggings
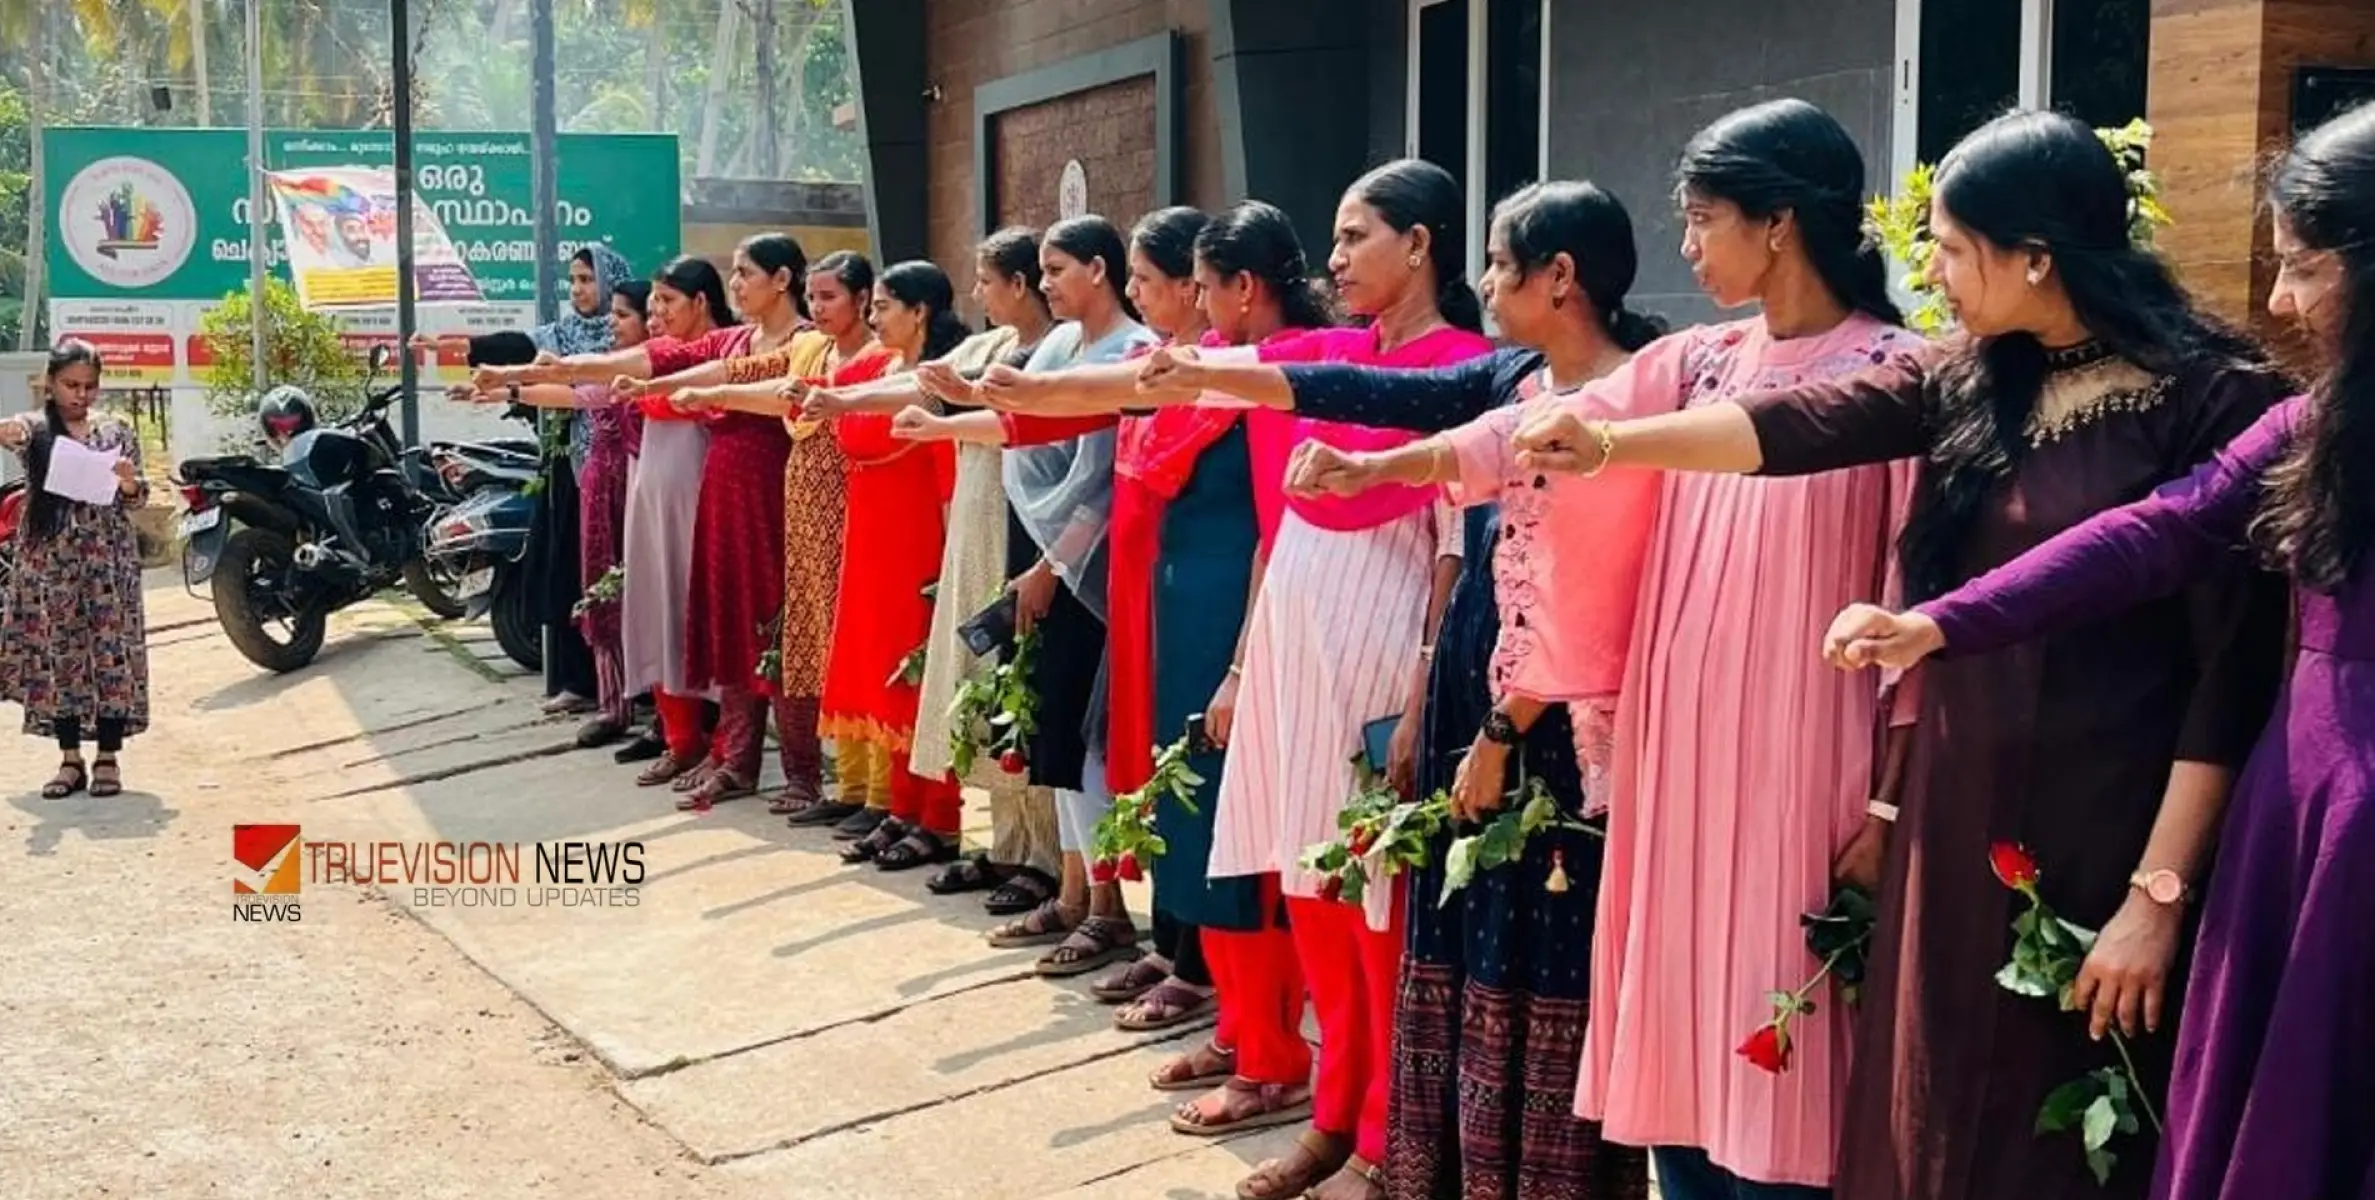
<point x="1183" y="944"/>
<point x="69" y="731"/>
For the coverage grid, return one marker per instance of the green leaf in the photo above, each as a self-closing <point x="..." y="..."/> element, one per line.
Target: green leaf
<point x="2102" y="1118"/>
<point x="2101" y="1162"/>
<point x="1459" y="866"/>
<point x="2019" y="982"/>
<point x="2066" y="1104"/>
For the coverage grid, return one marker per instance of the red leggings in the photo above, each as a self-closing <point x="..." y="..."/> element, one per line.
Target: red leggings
<point x="1260" y="987"/>
<point x="1352" y="971"/>
<point x="681" y="723"/>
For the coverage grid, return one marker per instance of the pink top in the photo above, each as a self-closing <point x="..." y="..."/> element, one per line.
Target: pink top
<point x="1567" y="592"/>
<point x="1436" y="348"/>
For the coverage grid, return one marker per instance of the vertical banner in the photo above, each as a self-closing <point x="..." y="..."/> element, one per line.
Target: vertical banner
<point x="339" y="224"/>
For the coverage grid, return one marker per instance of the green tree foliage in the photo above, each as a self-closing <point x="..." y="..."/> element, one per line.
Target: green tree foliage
<point x="300" y="347"/>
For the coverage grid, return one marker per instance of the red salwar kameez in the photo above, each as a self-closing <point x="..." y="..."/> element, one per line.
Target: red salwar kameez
<point x="897" y="497"/>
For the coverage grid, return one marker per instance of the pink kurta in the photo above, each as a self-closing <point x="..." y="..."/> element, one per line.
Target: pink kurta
<point x="1567" y="570"/>
<point x="1742" y="766"/>
<point x="1333" y="643"/>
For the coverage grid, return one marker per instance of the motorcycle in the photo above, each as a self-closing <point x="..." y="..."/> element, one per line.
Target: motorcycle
<point x="335" y="521"/>
<point x="12" y="514"/>
<point x="482" y="540"/>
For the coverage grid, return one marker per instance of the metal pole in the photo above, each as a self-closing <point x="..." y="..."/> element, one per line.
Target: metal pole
<point x="543" y="151"/>
<point x="258" y="194"/>
<point x="410" y="377"/>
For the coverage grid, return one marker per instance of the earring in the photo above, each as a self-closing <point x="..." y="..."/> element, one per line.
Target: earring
<point x="2036" y="276"/>
<point x="1417" y="261"/>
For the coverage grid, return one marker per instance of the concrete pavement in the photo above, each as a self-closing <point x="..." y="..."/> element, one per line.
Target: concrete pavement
<point x="762" y="1022"/>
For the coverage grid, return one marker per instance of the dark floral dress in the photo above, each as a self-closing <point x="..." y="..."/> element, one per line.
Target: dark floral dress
<point x="73" y="640"/>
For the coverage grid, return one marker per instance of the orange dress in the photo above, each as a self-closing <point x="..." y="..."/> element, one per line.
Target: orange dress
<point x="897" y="495"/>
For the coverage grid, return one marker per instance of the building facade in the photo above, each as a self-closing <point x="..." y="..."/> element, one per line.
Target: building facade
<point x="979" y="113"/>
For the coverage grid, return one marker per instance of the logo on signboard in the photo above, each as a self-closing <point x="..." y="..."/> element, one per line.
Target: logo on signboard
<point x="127" y="222"/>
<point x="1072" y="191"/>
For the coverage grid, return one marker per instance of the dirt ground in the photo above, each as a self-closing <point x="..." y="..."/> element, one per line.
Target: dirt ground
<point x="764" y="1024"/>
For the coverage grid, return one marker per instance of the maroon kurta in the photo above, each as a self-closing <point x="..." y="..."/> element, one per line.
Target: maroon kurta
<point x="2064" y="744"/>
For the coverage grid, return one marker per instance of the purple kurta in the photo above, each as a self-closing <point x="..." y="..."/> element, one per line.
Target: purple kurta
<point x="2270" y="1095"/>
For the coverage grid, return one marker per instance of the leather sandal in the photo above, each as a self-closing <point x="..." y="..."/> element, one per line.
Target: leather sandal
<point x="72" y="777"/>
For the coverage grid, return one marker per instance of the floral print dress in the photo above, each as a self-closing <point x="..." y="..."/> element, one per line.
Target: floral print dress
<point x="73" y="640"/>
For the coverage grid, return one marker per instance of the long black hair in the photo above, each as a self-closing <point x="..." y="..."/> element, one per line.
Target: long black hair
<point x="637" y="294"/>
<point x="917" y="283"/>
<point x="773" y="252"/>
<point x="1090" y="239"/>
<point x="1257" y="239"/>
<point x="1541" y="221"/>
<point x="45" y="514"/>
<point x="2319" y="515"/>
<point x="854" y="270"/>
<point x="1788" y="155"/>
<point x="1410" y="192"/>
<point x="698" y="279"/>
<point x="1167" y="237"/>
<point x="2044" y="181"/>
<point x="1014" y="252"/>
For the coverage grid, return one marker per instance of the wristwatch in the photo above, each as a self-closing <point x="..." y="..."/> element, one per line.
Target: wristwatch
<point x="1499" y="729"/>
<point x="2161" y="885"/>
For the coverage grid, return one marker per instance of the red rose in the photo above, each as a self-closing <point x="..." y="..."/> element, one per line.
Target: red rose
<point x="1768" y="1048"/>
<point x="1102" y="871"/>
<point x="1359" y="843"/>
<point x="2014" y="867"/>
<point x="1129" y="869"/>
<point x="1013" y="763"/>
<point x="1332" y="888"/>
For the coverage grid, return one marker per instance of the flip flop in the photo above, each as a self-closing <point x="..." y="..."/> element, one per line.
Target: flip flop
<point x="1168" y="1079"/>
<point x="1167" y="1005"/>
<point x="1094" y="943"/>
<point x="1278" y="1107"/>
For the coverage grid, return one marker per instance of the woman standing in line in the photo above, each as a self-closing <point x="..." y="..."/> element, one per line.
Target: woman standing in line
<point x="1021" y="866"/>
<point x="554" y="547"/>
<point x="815" y="511"/>
<point x="736" y="576"/>
<point x="1492" y="1005"/>
<point x="1186" y="499"/>
<point x="1349" y="603"/>
<point x="2084" y="379"/>
<point x="1062" y="495"/>
<point x="614" y="430"/>
<point x="898" y="504"/>
<point x="2274" y="1049"/>
<point x="73" y="637"/>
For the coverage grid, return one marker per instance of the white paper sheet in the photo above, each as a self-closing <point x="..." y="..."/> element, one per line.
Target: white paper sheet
<point x="78" y="472"/>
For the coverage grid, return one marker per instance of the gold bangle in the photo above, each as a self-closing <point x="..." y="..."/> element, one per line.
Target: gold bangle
<point x="1604" y="433"/>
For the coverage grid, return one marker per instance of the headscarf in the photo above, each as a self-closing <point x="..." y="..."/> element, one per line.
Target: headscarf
<point x="575" y="332"/>
<point x="1063" y="492"/>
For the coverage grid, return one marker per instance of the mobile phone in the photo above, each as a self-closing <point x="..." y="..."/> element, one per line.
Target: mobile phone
<point x="1377" y="741"/>
<point x="1199" y="736"/>
<point x="992" y="629"/>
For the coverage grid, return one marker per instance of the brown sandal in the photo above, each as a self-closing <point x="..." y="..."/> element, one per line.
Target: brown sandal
<point x="1354" y="1169"/>
<point x="715" y="787"/>
<point x="1314" y="1158"/>
<point x="72" y="777"/>
<point x="107" y="777"/>
<point x="1038" y="927"/>
<point x="1199" y="1070"/>
<point x="696" y="778"/>
<point x="1246" y="1104"/>
<point x="667" y="768"/>
<point x="1094" y="943"/>
<point x="1164" y="1006"/>
<point x="1132" y="981"/>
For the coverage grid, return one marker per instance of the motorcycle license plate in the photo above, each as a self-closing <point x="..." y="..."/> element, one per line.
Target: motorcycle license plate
<point x="200" y="521"/>
<point x="477" y="583"/>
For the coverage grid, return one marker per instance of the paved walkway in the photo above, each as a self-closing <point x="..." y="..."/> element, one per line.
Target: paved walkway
<point x="763" y="1022"/>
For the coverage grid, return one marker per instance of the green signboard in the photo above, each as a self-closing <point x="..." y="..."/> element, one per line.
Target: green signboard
<point x="161" y="214"/>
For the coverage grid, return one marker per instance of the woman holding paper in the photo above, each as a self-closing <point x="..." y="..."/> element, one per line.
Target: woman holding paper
<point x="73" y="644"/>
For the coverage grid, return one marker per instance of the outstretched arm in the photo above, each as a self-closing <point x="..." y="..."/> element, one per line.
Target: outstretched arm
<point x="919" y="425"/>
<point x="765" y="398"/>
<point x="1423" y="401"/>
